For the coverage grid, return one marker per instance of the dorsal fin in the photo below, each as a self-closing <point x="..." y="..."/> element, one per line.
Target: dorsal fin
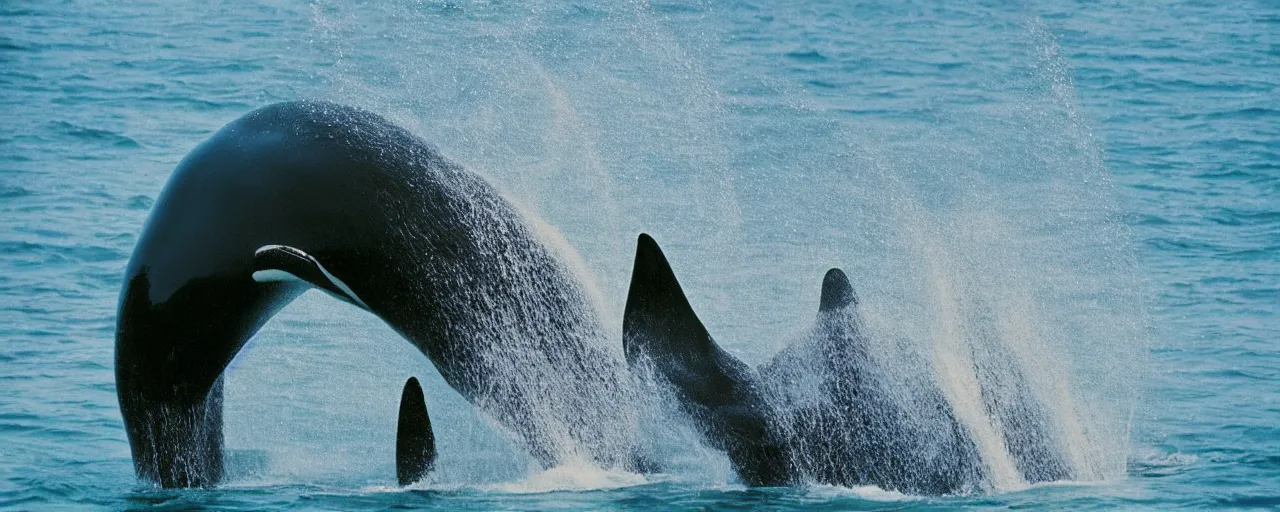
<point x="721" y="393"/>
<point x="837" y="293"/>
<point x="658" y="318"/>
<point x="274" y="263"/>
<point x="415" y="441"/>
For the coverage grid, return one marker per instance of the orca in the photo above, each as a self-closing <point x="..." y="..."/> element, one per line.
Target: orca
<point x="415" y="441"/>
<point x="311" y="194"/>
<point x="663" y="336"/>
<point x="854" y="421"/>
<point x="827" y="409"/>
<point x="1027" y="429"/>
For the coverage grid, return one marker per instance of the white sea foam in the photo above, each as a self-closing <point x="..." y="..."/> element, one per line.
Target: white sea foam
<point x="866" y="492"/>
<point x="572" y="477"/>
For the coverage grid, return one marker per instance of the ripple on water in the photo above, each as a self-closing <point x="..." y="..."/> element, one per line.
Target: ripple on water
<point x="140" y="202"/>
<point x="41" y="254"/>
<point x="96" y="135"/>
<point x="13" y="191"/>
<point x="808" y="56"/>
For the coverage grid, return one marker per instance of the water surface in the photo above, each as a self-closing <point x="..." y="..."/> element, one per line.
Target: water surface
<point x="1107" y="175"/>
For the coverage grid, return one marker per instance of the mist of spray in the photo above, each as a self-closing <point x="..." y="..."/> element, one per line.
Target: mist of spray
<point x="975" y="231"/>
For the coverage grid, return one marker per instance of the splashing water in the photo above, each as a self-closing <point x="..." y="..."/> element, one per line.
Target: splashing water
<point x="934" y="152"/>
<point x="995" y="207"/>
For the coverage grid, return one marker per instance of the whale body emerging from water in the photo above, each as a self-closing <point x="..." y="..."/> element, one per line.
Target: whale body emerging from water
<point x="851" y="421"/>
<point x="825" y="410"/>
<point x="312" y="194"/>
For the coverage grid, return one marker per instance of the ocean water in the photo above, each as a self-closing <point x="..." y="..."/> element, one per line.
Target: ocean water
<point x="1104" y="177"/>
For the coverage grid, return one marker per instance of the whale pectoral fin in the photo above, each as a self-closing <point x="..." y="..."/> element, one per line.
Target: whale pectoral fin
<point x="415" y="441"/>
<point x="281" y="263"/>
<point x="837" y="293"/>
<point x="721" y="393"/>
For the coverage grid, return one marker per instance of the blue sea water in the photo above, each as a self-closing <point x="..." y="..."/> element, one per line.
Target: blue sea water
<point x="1106" y="175"/>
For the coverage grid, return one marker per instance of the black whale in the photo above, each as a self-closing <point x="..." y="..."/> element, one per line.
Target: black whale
<point x="824" y="410"/>
<point x="315" y="194"/>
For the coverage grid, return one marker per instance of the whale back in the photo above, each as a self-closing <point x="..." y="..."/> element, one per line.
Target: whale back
<point x="853" y="421"/>
<point x="433" y="250"/>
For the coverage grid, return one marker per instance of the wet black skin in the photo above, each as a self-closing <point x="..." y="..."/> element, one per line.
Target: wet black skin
<point x="432" y="249"/>
<point x="824" y="410"/>
<point x="1007" y="398"/>
<point x="863" y="432"/>
<point x="862" y="424"/>
<point x="415" y="441"/>
<point x="662" y="335"/>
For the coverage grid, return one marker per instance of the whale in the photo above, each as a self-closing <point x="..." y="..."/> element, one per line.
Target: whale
<point x="1024" y="422"/>
<point x="314" y="195"/>
<point x="859" y="418"/>
<point x="827" y="409"/>
<point x="854" y="421"/>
